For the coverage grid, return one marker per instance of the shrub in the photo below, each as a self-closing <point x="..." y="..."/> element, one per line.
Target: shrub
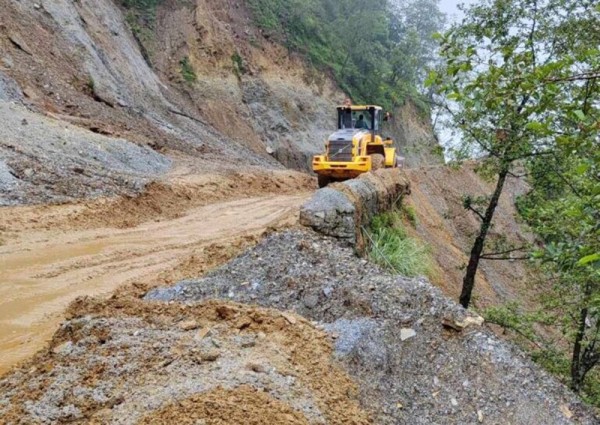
<point x="238" y="64"/>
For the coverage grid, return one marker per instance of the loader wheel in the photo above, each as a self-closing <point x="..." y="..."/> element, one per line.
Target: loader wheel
<point x="377" y="162"/>
<point x="323" y="180"/>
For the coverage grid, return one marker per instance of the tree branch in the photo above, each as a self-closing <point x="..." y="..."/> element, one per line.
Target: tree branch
<point x="586" y="76"/>
<point x="508" y="251"/>
<point x="470" y="208"/>
<point x="483" y="257"/>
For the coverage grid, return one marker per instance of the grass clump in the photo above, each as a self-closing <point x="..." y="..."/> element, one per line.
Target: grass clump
<point x="187" y="71"/>
<point x="392" y="247"/>
<point x="238" y="64"/>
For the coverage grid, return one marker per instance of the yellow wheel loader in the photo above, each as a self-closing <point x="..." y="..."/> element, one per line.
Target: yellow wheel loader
<point x="356" y="147"/>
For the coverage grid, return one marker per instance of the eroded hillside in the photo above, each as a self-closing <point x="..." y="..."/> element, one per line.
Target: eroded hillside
<point x="195" y="116"/>
<point x="198" y="79"/>
<point x="444" y="224"/>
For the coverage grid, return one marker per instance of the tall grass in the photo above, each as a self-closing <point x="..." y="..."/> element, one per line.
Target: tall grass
<point x="392" y="247"/>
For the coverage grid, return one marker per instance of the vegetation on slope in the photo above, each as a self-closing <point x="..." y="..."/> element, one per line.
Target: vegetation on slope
<point x="141" y="18"/>
<point x="523" y="85"/>
<point x="391" y="247"/>
<point x="378" y="51"/>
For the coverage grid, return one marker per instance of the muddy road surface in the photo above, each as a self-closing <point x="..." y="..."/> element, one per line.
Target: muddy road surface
<point x="43" y="269"/>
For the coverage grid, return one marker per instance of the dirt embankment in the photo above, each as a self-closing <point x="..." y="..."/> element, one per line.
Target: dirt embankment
<point x="376" y="353"/>
<point x="121" y="365"/>
<point x="443" y="223"/>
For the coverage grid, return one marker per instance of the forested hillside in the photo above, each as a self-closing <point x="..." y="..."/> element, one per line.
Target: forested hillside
<point x="377" y="51"/>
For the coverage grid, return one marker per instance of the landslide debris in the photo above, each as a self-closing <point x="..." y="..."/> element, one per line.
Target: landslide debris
<point x="129" y="361"/>
<point x="47" y="161"/>
<point x="242" y="405"/>
<point x="378" y="348"/>
<point x="390" y="335"/>
<point x="160" y="200"/>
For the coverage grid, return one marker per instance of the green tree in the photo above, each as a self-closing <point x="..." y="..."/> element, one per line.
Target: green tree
<point x="413" y="24"/>
<point x="563" y="208"/>
<point x="376" y="50"/>
<point x="504" y="65"/>
<point x="522" y="85"/>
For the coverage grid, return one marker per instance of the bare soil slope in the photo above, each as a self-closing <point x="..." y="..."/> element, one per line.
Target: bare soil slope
<point x="443" y="224"/>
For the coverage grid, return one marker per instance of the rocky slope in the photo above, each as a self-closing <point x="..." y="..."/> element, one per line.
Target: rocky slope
<point x="198" y="79"/>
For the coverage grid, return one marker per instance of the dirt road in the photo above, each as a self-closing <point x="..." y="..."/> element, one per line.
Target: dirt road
<point x="42" y="271"/>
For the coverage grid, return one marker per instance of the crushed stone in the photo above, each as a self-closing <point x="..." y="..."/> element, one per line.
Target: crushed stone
<point x="365" y="309"/>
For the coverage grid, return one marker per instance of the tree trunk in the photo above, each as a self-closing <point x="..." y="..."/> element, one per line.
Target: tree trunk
<point x="469" y="279"/>
<point x="576" y="363"/>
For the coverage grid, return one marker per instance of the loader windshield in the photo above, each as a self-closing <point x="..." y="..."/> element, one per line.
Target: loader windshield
<point x="357" y="119"/>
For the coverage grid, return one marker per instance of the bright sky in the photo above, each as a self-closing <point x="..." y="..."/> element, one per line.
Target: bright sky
<point x="450" y="8"/>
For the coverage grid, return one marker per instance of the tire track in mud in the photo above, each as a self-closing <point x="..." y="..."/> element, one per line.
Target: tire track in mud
<point x="42" y="271"/>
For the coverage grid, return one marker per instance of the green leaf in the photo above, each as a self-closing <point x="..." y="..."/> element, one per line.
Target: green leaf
<point x="589" y="259"/>
<point x="582" y="169"/>
<point x="580" y="115"/>
<point x="537" y="127"/>
<point x="431" y="79"/>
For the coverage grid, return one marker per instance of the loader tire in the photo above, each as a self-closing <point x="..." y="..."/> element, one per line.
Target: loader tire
<point x="323" y="181"/>
<point x="377" y="162"/>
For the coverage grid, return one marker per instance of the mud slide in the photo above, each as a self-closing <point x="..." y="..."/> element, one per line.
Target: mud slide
<point x="43" y="270"/>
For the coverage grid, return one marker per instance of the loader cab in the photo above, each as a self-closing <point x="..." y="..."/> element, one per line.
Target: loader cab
<point x="348" y="116"/>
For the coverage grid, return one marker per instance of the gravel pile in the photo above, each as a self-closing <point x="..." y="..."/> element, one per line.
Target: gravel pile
<point x="45" y="160"/>
<point x="389" y="336"/>
<point x="139" y="361"/>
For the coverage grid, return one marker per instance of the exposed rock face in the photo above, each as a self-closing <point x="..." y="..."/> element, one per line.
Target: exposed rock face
<point x="80" y="63"/>
<point x="36" y="151"/>
<point x="9" y="90"/>
<point x="342" y="209"/>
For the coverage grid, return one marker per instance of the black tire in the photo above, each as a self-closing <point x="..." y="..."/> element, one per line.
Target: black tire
<point x="323" y="180"/>
<point x="377" y="162"/>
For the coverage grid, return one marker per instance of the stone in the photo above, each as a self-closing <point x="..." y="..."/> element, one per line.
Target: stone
<point x="459" y="325"/>
<point x="407" y="333"/>
<point x="311" y="301"/>
<point x="291" y="319"/>
<point x="209" y="355"/>
<point x="63" y="349"/>
<point x="202" y="333"/>
<point x="566" y="411"/>
<point x="257" y="367"/>
<point x="188" y="325"/>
